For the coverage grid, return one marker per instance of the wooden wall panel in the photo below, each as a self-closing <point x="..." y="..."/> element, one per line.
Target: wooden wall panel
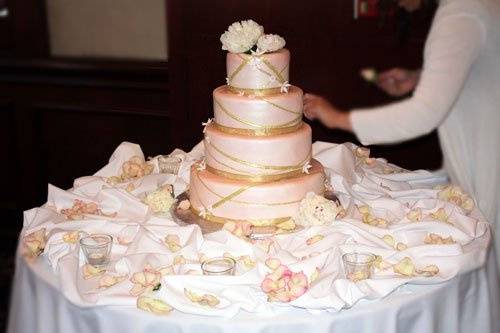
<point x="9" y="156"/>
<point x="75" y="141"/>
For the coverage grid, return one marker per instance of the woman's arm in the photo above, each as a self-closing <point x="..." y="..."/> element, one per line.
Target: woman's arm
<point x="452" y="47"/>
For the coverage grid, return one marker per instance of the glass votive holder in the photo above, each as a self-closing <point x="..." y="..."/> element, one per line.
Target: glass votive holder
<point x="97" y="249"/>
<point x="169" y="164"/>
<point x="358" y="265"/>
<point x="218" y="266"/>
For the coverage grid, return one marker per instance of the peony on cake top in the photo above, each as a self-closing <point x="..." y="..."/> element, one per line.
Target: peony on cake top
<point x="256" y="63"/>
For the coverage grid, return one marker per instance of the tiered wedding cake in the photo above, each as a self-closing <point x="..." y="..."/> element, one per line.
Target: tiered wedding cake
<point x="258" y="164"/>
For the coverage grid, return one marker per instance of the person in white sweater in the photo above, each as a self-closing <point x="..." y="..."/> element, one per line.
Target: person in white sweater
<point x="457" y="91"/>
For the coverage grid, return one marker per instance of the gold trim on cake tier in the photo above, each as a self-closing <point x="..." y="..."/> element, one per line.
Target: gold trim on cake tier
<point x="220" y="199"/>
<point x="257" y="222"/>
<point x="256" y="178"/>
<point x="255" y="92"/>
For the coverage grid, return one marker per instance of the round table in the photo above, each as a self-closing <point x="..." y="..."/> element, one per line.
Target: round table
<point x="466" y="303"/>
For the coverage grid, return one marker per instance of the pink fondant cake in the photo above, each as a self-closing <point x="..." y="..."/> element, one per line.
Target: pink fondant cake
<point x="259" y="203"/>
<point x="257" y="164"/>
<point x="256" y="155"/>
<point x="247" y="71"/>
<point x="260" y="112"/>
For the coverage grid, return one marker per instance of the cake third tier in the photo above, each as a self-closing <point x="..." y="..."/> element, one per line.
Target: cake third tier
<point x="222" y="199"/>
<point x="265" y="158"/>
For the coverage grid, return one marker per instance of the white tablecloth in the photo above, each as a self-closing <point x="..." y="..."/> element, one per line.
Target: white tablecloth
<point x="389" y="212"/>
<point x="459" y="305"/>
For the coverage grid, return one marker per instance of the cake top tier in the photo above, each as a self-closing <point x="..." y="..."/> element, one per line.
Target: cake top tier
<point x="256" y="61"/>
<point x="258" y="72"/>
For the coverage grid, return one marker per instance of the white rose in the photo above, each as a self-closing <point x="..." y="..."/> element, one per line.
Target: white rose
<point x="316" y="210"/>
<point x="270" y="43"/>
<point x="241" y="36"/>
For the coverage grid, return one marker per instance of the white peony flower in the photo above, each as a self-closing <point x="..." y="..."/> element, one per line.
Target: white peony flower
<point x="241" y="36"/>
<point x="316" y="210"/>
<point x="160" y="200"/>
<point x="269" y="43"/>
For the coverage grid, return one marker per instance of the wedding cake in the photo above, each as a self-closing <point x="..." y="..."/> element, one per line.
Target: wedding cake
<point x="258" y="164"/>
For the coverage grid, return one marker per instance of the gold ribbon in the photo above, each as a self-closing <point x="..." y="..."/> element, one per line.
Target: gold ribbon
<point x="255" y="92"/>
<point x="257" y="222"/>
<point x="262" y="166"/>
<point x="287" y="127"/>
<point x="239" y="192"/>
<point x="257" y="132"/>
<point x="255" y="178"/>
<point x="245" y="59"/>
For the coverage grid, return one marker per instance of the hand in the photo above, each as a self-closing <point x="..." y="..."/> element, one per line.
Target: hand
<point x="317" y="107"/>
<point x="397" y="81"/>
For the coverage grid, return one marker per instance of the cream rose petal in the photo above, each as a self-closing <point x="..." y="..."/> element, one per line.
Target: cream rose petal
<point x="90" y="271"/>
<point x="153" y="305"/>
<point x="405" y="267"/>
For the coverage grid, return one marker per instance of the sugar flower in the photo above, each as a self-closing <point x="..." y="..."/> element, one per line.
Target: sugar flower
<point x="161" y="200"/>
<point x="284" y="87"/>
<point x="270" y="43"/>
<point x="316" y="210"/>
<point x="241" y="36"/>
<point x="306" y="167"/>
<point x="206" y="124"/>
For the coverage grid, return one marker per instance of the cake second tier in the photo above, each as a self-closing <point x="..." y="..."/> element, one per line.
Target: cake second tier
<point x="220" y="199"/>
<point x="259" y="157"/>
<point x="259" y="115"/>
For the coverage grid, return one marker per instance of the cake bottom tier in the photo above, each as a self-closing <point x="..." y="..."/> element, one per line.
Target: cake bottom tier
<point x="221" y="199"/>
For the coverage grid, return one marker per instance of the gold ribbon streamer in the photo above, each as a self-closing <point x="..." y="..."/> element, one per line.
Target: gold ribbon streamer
<point x="282" y="108"/>
<point x="257" y="222"/>
<point x="257" y="132"/>
<point x="245" y="59"/>
<point x="261" y="166"/>
<point x="255" y="178"/>
<point x="262" y="129"/>
<point x="243" y="202"/>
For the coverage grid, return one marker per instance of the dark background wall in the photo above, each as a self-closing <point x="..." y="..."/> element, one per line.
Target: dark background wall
<point x="62" y="118"/>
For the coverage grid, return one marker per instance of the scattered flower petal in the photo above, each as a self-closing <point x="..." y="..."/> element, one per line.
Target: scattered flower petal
<point x="90" y="271"/>
<point x="314" y="239"/>
<point x="153" y="305"/>
<point x="405" y="267"/>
